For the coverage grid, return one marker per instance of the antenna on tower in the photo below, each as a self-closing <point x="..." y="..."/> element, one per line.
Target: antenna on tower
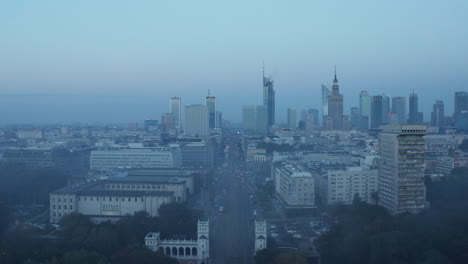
<point x="208" y="92"/>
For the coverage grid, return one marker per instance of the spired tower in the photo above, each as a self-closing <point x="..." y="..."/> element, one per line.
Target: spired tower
<point x="203" y="240"/>
<point x="260" y="235"/>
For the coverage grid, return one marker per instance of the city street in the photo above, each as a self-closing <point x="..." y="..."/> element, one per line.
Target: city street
<point x="232" y="231"/>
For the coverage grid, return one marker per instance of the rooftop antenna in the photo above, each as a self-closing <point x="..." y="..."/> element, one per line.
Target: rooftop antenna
<point x="208" y="92"/>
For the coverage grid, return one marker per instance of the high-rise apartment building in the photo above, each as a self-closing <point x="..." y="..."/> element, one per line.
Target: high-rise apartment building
<point x="399" y="108"/>
<point x="292" y="124"/>
<point x="175" y="109"/>
<point x="196" y="121"/>
<point x="269" y="100"/>
<point x="255" y="120"/>
<point x="211" y="104"/>
<point x="401" y="168"/>
<point x="437" y="115"/>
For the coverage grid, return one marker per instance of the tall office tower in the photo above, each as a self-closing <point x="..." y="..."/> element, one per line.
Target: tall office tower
<point x="315" y="115"/>
<point x="399" y="108"/>
<point x="308" y="119"/>
<point x="219" y="119"/>
<point x="167" y="122"/>
<point x="385" y="108"/>
<point x="461" y="103"/>
<point x="326" y="92"/>
<point x="196" y="121"/>
<point x="365" y="106"/>
<point x="413" y="109"/>
<point x="255" y="120"/>
<point x="437" y="115"/>
<point x="175" y="109"/>
<point x="334" y="120"/>
<point x="211" y="104"/>
<point x="376" y="109"/>
<point x="269" y="99"/>
<point x="401" y="168"/>
<point x="292" y="124"/>
<point x="355" y="117"/>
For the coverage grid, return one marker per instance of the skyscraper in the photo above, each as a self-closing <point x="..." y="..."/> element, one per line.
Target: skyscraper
<point x="413" y="109"/>
<point x="334" y="120"/>
<point x="292" y="124"/>
<point x="401" y="168"/>
<point x="196" y="121"/>
<point x="385" y="108"/>
<point x="399" y="108"/>
<point x="175" y="109"/>
<point x="326" y="92"/>
<point x="376" y="109"/>
<point x="438" y="114"/>
<point x="255" y="120"/>
<point x="365" y="107"/>
<point x="355" y="117"/>
<point x="269" y="100"/>
<point x="309" y="119"/>
<point x="211" y="105"/>
<point x="167" y="122"/>
<point x="461" y="103"/>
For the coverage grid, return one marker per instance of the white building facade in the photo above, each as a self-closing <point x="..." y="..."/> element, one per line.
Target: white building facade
<point x="187" y="251"/>
<point x="103" y="160"/>
<point x="401" y="168"/>
<point x="343" y="185"/>
<point x="111" y="199"/>
<point x="196" y="121"/>
<point x="294" y="186"/>
<point x="260" y="235"/>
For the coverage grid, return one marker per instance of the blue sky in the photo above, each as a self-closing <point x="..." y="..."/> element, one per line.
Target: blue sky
<point x="121" y="61"/>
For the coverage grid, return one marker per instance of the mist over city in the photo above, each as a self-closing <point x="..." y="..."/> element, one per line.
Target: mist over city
<point x="211" y="132"/>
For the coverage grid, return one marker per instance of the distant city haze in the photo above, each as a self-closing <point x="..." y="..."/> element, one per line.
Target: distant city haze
<point x="121" y="61"/>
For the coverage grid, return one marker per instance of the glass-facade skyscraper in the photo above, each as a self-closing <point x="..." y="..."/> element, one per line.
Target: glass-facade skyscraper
<point x="175" y="109"/>
<point x="269" y="100"/>
<point x="399" y="108"/>
<point x="211" y="104"/>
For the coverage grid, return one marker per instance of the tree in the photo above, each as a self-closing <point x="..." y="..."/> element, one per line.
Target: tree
<point x="83" y="257"/>
<point x="464" y="145"/>
<point x="141" y="255"/>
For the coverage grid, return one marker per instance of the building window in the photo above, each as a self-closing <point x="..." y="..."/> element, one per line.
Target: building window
<point x="53" y="206"/>
<point x="71" y="207"/>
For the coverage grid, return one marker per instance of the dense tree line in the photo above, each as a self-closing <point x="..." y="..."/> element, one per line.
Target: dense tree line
<point x="366" y="233"/>
<point x="22" y="185"/>
<point x="81" y="241"/>
<point x="280" y="256"/>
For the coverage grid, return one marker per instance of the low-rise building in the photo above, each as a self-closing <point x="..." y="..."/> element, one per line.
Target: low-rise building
<point x="113" y="198"/>
<point x="163" y="157"/>
<point x="294" y="186"/>
<point x="196" y="251"/>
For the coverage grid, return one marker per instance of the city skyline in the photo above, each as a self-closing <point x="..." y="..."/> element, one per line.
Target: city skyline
<point x="69" y="70"/>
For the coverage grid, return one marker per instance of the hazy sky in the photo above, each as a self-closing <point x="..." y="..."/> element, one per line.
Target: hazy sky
<point x="121" y="61"/>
